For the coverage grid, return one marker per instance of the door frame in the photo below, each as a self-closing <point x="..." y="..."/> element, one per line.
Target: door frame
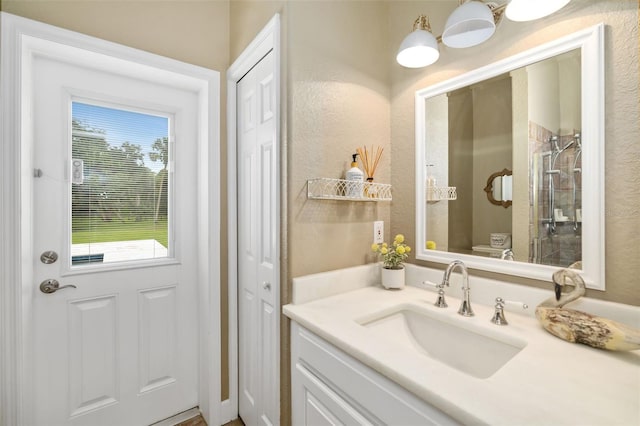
<point x="20" y="40"/>
<point x="267" y="40"/>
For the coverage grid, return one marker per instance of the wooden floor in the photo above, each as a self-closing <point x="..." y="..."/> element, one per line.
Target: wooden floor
<point x="236" y="422"/>
<point x="199" y="421"/>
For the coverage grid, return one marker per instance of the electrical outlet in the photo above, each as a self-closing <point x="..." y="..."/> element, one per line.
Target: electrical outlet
<point x="378" y="231"/>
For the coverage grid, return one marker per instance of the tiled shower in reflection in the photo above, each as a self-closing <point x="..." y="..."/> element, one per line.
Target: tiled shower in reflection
<point x="555" y="196"/>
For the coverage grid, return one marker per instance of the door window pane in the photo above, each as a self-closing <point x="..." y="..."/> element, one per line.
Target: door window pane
<point x="119" y="185"/>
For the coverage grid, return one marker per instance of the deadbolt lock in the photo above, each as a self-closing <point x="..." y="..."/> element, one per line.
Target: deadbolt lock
<point x="49" y="257"/>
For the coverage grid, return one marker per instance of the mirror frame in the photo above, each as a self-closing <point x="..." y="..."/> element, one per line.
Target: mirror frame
<point x="489" y="188"/>
<point x="591" y="43"/>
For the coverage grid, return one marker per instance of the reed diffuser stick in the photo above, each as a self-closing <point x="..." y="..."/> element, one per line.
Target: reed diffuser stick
<point x="370" y="159"/>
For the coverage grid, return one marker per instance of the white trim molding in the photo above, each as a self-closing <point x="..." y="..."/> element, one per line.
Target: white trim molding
<point x="268" y="40"/>
<point x="21" y="39"/>
<point x="11" y="356"/>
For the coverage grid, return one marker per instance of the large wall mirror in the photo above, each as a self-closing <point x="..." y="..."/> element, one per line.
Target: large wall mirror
<point x="522" y="141"/>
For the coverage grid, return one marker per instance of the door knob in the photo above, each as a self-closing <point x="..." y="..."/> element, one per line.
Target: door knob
<point x="266" y="286"/>
<point x="50" y="285"/>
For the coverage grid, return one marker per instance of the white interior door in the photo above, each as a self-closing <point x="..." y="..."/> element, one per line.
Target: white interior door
<point x="122" y="347"/>
<point x="258" y="263"/>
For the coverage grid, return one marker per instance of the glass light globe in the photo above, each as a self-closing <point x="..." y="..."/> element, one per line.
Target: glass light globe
<point x="418" y="50"/>
<point x="468" y="25"/>
<point x="529" y="10"/>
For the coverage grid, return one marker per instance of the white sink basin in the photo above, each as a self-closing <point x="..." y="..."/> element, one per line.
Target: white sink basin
<point x="456" y="342"/>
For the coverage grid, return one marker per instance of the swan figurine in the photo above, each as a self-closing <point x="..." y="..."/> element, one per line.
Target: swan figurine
<point x="581" y="327"/>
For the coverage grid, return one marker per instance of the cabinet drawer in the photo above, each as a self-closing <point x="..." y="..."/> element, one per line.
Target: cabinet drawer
<point x="373" y="397"/>
<point x="316" y="404"/>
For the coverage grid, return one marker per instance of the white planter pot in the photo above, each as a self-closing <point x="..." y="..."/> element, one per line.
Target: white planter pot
<point x="393" y="278"/>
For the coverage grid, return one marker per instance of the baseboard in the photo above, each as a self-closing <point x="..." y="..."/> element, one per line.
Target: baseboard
<point x="179" y="418"/>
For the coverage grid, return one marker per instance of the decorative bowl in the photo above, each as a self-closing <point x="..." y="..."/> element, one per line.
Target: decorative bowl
<point x="500" y="240"/>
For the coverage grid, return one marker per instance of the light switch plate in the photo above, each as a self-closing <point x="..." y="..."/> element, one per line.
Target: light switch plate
<point x="378" y="232"/>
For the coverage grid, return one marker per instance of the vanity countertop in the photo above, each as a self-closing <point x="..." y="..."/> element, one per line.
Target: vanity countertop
<point x="549" y="381"/>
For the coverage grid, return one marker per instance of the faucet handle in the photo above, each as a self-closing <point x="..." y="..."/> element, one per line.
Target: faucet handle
<point x="440" y="302"/>
<point x="498" y="316"/>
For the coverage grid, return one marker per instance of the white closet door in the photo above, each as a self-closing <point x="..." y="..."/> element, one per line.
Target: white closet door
<point x="258" y="314"/>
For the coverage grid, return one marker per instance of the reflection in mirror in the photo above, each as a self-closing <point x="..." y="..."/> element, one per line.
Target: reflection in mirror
<point x="499" y="188"/>
<point x="512" y="133"/>
<point x="522" y="119"/>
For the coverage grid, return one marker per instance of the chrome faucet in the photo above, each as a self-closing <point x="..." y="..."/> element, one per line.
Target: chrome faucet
<point x="465" y="306"/>
<point x="507" y="254"/>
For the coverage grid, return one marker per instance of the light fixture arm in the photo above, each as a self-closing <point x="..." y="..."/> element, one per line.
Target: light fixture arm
<point x="422" y="23"/>
<point x="497" y="10"/>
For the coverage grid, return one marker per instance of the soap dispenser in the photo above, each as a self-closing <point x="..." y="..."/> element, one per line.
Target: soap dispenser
<point x="355" y="179"/>
<point x="431" y="180"/>
<point x="431" y="184"/>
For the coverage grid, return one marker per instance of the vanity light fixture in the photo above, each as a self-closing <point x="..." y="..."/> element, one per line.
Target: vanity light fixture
<point x="471" y="23"/>
<point x="420" y="47"/>
<point x="529" y="10"/>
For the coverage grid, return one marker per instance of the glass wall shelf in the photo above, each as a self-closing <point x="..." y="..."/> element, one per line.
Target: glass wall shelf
<point x="340" y="189"/>
<point x="440" y="193"/>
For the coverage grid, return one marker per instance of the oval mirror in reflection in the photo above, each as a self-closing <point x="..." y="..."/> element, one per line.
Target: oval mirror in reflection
<point x="499" y="188"/>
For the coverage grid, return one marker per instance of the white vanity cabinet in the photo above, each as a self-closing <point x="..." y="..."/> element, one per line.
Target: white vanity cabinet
<point x="347" y="368"/>
<point x="329" y="387"/>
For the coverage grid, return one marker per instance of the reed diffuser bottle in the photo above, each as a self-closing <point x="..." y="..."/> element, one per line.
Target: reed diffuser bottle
<point x="370" y="160"/>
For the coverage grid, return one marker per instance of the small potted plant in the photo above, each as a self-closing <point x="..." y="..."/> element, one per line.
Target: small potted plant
<point x="392" y="257"/>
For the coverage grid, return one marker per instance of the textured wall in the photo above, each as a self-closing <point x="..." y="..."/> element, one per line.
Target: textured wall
<point x="622" y="169"/>
<point x="338" y="101"/>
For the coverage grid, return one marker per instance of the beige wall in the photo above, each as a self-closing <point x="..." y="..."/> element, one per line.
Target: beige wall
<point x="248" y="17"/>
<point x="521" y="207"/>
<point x="436" y="113"/>
<point x="622" y="196"/>
<point x="196" y="32"/>
<point x="544" y="88"/>
<point x="338" y="101"/>
<point x="460" y="165"/>
<point x="570" y="94"/>
<point x="492" y="152"/>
